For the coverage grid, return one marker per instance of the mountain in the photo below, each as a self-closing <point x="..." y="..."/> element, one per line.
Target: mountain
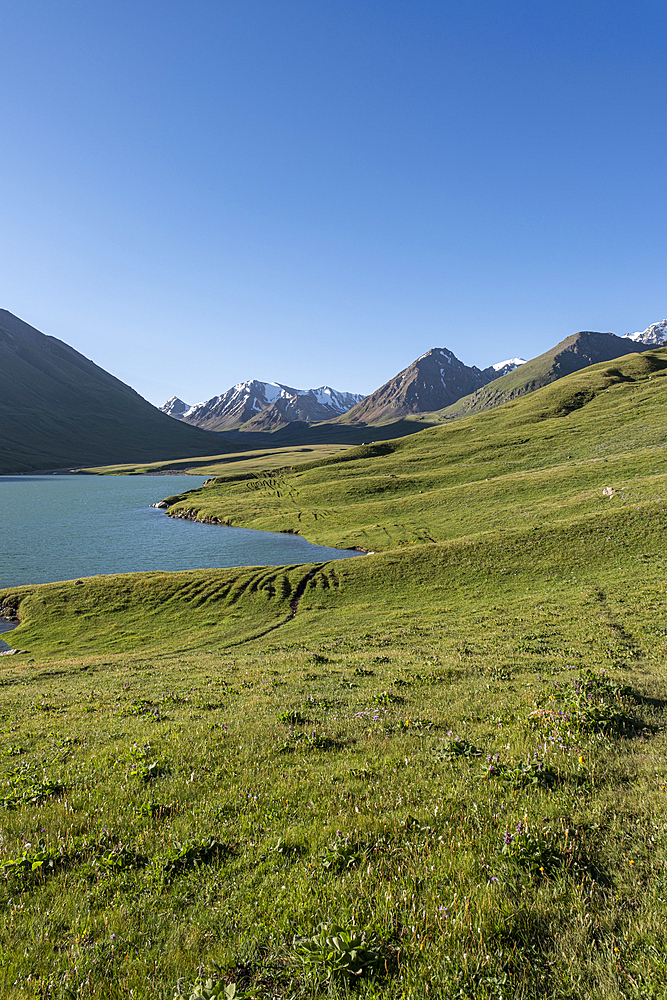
<point x="655" y="335"/>
<point x="58" y="409"/>
<point x="175" y="407"/>
<point x="571" y="355"/>
<point x="433" y="381"/>
<point x="263" y="406"/>
<point x="505" y="367"/>
<point x="311" y="407"/>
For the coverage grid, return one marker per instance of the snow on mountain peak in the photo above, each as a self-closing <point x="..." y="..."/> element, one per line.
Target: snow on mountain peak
<point x="510" y="364"/>
<point x="655" y="334"/>
<point x="247" y="400"/>
<point x="175" y="407"/>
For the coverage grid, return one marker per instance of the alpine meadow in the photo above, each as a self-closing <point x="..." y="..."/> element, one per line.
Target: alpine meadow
<point x="437" y="769"/>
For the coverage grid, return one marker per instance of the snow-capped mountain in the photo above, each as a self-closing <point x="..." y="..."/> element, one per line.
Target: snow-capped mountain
<point x="503" y="367"/>
<point x="654" y="335"/>
<point x="175" y="407"/>
<point x="268" y="405"/>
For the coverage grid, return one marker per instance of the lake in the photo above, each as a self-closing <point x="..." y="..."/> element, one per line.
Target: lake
<point x="63" y="527"/>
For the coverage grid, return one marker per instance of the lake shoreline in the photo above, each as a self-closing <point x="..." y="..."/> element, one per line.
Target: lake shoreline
<point x="105" y="525"/>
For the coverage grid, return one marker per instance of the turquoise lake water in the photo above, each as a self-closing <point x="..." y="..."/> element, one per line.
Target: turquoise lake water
<point x="63" y="527"/>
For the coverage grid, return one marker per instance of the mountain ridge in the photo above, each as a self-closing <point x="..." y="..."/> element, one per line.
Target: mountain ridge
<point x="578" y="351"/>
<point x="655" y="335"/>
<point x="59" y="409"/>
<point x="262" y="406"/>
<point x="435" y="379"/>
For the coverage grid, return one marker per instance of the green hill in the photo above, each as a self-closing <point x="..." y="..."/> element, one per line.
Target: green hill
<point x="58" y="409"/>
<point x="571" y="355"/>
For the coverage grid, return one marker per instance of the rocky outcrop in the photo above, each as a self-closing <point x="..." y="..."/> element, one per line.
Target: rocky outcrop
<point x="185" y="514"/>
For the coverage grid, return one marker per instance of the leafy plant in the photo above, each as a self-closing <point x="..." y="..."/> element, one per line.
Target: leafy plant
<point x="458" y="747"/>
<point x="592" y="704"/>
<point x="208" y="989"/>
<point x="147" y="772"/>
<point x="294" y="718"/>
<point x="121" y="858"/>
<point x="42" y="861"/>
<point x="531" y="772"/>
<point x="158" y="810"/>
<point x="496" y="672"/>
<point x="297" y="740"/>
<point x="26" y="789"/>
<point x="388" y="698"/>
<point x="339" y="952"/>
<point x="185" y="857"/>
<point x="410" y="725"/>
<point x="343" y="854"/>
<point x="535" y="852"/>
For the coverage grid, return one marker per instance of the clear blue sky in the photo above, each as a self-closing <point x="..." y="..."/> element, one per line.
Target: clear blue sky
<point x="198" y="192"/>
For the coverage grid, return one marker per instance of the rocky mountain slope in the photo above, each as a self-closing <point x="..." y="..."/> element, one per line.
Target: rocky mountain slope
<point x="654" y="335"/>
<point x="571" y="355"/>
<point x="175" y="407"/>
<point x="58" y="409"/>
<point x="263" y="406"/>
<point x="433" y="381"/>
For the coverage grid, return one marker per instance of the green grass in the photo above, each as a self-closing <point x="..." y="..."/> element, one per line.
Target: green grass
<point x="443" y="766"/>
<point x="256" y="460"/>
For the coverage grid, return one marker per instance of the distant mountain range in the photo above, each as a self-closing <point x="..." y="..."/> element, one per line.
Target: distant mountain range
<point x="654" y="335"/>
<point x="58" y="409"/>
<point x="429" y="383"/>
<point x="263" y="406"/>
<point x="571" y="355"/>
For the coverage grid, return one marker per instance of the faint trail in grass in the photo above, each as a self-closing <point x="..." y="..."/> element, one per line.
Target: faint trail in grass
<point x="300" y="590"/>
<point x="294" y="607"/>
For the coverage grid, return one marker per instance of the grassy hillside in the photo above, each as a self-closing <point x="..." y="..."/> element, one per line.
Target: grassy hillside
<point x="457" y="750"/>
<point x="542" y="459"/>
<point x="58" y="409"/>
<point x="442" y="766"/>
<point x="574" y="353"/>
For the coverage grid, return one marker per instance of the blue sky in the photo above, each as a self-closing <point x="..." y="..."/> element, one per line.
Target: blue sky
<point x="196" y="193"/>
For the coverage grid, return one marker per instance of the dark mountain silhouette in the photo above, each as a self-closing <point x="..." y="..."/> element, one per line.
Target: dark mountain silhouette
<point x="58" y="409"/>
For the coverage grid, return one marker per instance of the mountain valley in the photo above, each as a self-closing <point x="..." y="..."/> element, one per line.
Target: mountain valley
<point x="448" y="752"/>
